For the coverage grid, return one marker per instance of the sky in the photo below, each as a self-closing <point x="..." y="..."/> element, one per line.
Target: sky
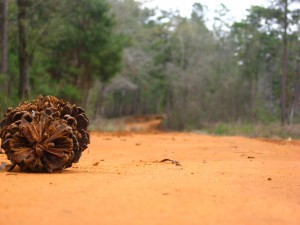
<point x="237" y="7"/>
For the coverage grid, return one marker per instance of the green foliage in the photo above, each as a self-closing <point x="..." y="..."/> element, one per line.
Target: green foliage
<point x="271" y="130"/>
<point x="223" y="129"/>
<point x="70" y="44"/>
<point x="118" y="58"/>
<point x="86" y="47"/>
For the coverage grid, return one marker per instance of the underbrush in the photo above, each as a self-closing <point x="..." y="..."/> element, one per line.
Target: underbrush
<point x="107" y="125"/>
<point x="272" y="130"/>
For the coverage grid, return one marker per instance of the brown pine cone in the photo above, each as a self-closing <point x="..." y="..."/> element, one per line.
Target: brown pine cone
<point x="45" y="135"/>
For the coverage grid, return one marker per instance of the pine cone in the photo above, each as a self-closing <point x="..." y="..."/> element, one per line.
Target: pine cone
<point x="45" y="135"/>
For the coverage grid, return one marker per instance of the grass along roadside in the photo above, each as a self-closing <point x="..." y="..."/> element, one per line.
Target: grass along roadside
<point x="273" y="130"/>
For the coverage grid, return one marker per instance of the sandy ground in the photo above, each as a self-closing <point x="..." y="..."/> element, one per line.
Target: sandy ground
<point x="119" y="180"/>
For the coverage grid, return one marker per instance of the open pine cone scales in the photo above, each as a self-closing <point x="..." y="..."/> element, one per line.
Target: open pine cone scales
<point x="45" y="135"/>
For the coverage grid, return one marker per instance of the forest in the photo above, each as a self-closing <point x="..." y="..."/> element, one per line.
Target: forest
<point x="117" y="58"/>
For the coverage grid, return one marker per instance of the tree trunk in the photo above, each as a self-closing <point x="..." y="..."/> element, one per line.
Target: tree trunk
<point x="3" y="45"/>
<point x="99" y="103"/>
<point x="284" y="66"/>
<point x="23" y="51"/>
<point x="169" y="103"/>
<point x="296" y="95"/>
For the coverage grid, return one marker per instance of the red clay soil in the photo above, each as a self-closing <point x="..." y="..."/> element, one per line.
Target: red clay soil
<point x="119" y="180"/>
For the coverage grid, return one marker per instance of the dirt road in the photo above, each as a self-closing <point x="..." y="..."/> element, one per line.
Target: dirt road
<point x="119" y="180"/>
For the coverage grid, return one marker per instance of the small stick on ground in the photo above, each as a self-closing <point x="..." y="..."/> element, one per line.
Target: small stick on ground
<point x="171" y="160"/>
